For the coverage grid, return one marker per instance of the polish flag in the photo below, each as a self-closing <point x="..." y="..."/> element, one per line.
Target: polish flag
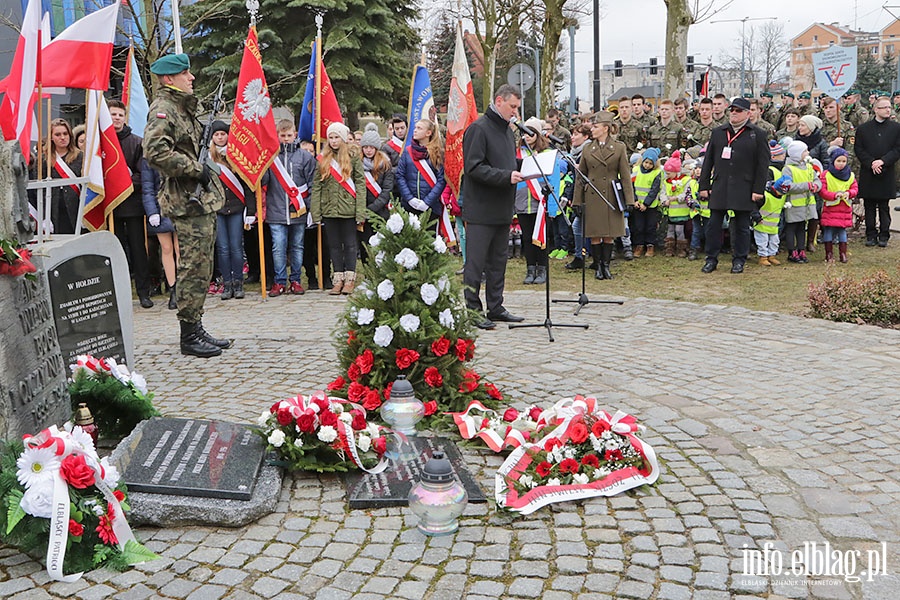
<point x="461" y="112"/>
<point x="82" y="54"/>
<point x="16" y="110"/>
<point x="109" y="181"/>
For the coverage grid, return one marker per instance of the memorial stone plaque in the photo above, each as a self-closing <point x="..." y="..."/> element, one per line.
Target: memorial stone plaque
<point x="391" y="487"/>
<point x="33" y="389"/>
<point x="194" y="457"/>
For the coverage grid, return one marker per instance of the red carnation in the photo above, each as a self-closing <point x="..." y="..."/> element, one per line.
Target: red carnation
<point x="76" y="472"/>
<point x="284" y="416"/>
<point x="379" y="444"/>
<point x="372" y="400"/>
<point x="599" y="427"/>
<point x="307" y="421"/>
<point x="440" y="346"/>
<point x="120" y="495"/>
<point x="568" y="465"/>
<point x="387" y="391"/>
<point x="470" y="349"/>
<point x="469" y="383"/>
<point x="365" y="361"/>
<point x="493" y="392"/>
<point x="322" y="403"/>
<point x="511" y="414"/>
<point x="433" y="377"/>
<point x="551" y="443"/>
<point x="406" y="357"/>
<point x="590" y="460"/>
<point x="578" y="432"/>
<point x="430" y="407"/>
<point x="337" y="384"/>
<point x="75" y="528"/>
<point x="359" y="420"/>
<point x="535" y="413"/>
<point x="461" y="349"/>
<point x="353" y="372"/>
<point x="356" y="392"/>
<point x="326" y="417"/>
<point x="485" y="423"/>
<point x="615" y="454"/>
<point x="544" y="468"/>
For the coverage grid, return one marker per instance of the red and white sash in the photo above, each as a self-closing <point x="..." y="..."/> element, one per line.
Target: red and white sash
<point x="539" y="234"/>
<point x="372" y="184"/>
<point x="66" y="172"/>
<point x="396" y="144"/>
<point x="347" y="184"/>
<point x="230" y="180"/>
<point x="293" y="191"/>
<point x="424" y="169"/>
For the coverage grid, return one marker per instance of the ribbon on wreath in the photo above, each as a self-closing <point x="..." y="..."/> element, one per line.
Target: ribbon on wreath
<point x="471" y="425"/>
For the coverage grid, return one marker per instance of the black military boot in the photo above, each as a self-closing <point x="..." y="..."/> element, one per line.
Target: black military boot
<point x="172" y="304"/>
<point x="228" y="291"/>
<point x="596" y="254"/>
<point x="223" y="343"/>
<point x="606" y="251"/>
<point x="239" y="289"/>
<point x="193" y="344"/>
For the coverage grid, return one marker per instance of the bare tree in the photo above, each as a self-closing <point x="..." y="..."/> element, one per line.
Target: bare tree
<point x="492" y="19"/>
<point x="747" y="55"/>
<point x="680" y="15"/>
<point x="774" y="50"/>
<point x="558" y="15"/>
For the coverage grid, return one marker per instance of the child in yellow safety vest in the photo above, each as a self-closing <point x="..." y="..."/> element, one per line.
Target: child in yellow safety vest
<point x="839" y="189"/>
<point x="800" y="204"/>
<point x="644" y="218"/>
<point x="674" y="199"/>
<point x="767" y="219"/>
<point x="699" y="210"/>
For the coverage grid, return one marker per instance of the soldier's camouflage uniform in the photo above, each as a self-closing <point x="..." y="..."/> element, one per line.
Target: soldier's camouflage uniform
<point x="632" y="135"/>
<point x="668" y="138"/>
<point x="171" y="146"/>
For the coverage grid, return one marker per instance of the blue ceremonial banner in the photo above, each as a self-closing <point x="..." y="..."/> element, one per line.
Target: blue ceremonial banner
<point x="421" y="101"/>
<point x="307" y="124"/>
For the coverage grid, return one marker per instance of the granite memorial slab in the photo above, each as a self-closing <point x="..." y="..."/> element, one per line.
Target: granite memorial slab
<point x="391" y="487"/>
<point x="194" y="457"/>
<point x="196" y="472"/>
<point x="90" y="290"/>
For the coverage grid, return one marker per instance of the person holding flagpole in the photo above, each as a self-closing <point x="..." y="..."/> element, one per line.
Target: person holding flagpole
<point x="172" y="146"/>
<point x="420" y="171"/>
<point x="339" y="200"/>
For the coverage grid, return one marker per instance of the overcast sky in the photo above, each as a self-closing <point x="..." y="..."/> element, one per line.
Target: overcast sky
<point x="634" y="30"/>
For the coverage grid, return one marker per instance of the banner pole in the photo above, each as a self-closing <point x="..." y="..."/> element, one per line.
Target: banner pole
<point x="259" y="236"/>
<point x="317" y="123"/>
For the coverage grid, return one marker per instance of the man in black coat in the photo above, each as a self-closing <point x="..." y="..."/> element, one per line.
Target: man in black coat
<point x="878" y="148"/>
<point x="733" y="178"/>
<point x="489" y="183"/>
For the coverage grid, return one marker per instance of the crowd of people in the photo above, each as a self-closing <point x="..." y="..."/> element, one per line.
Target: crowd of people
<point x="684" y="177"/>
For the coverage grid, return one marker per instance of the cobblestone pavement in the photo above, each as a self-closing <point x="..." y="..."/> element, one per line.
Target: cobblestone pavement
<point x="769" y="428"/>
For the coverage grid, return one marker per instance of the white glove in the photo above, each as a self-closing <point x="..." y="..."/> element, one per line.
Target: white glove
<point x="153" y="220"/>
<point x="48" y="226"/>
<point x="418" y="204"/>
<point x="249" y="220"/>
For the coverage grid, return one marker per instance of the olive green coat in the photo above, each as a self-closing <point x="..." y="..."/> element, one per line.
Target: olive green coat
<point x="602" y="164"/>
<point x="329" y="198"/>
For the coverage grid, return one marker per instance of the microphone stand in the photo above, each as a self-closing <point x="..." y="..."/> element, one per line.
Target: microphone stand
<point x="583" y="299"/>
<point x="547" y="191"/>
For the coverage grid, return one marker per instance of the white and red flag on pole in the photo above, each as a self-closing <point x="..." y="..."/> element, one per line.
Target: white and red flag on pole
<point x="461" y="112"/>
<point x="81" y="54"/>
<point x="252" y="139"/>
<point x="16" y="110"/>
<point x="109" y="181"/>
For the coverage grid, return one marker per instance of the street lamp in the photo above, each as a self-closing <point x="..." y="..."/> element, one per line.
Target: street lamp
<point x="743" y="22"/>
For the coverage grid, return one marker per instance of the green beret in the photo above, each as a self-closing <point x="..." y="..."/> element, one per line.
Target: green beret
<point x="766" y="95"/>
<point x="171" y="64"/>
<point x="787" y="95"/>
<point x="804" y="95"/>
<point x="895" y="94"/>
<point x="748" y="94"/>
<point x="873" y="92"/>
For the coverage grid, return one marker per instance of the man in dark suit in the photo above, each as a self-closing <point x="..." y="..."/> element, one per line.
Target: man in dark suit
<point x="489" y="183"/>
<point x="878" y="149"/>
<point x="733" y="178"/>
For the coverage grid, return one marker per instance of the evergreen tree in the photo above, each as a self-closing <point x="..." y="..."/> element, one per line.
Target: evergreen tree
<point x="874" y="74"/>
<point x="369" y="48"/>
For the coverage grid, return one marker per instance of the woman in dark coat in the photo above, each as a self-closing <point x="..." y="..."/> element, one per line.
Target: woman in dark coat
<point x="604" y="160"/>
<point x="380" y="179"/>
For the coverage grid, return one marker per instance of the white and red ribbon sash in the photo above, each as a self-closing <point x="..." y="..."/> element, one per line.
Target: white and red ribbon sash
<point x="446" y="227"/>
<point x="230" y="180"/>
<point x="396" y="144"/>
<point x="372" y="184"/>
<point x="469" y="423"/>
<point x="293" y="191"/>
<point x="66" y="172"/>
<point x="424" y="169"/>
<point x="539" y="233"/>
<point x="347" y="184"/>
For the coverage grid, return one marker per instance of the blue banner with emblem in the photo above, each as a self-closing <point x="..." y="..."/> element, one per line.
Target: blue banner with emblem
<point x="421" y="101"/>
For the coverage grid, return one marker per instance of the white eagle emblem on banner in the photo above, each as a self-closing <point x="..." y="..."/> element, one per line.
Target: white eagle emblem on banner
<point x="256" y="103"/>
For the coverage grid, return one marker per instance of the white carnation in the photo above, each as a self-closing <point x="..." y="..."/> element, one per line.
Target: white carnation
<point x="346" y="417"/>
<point x="375" y="240"/>
<point x="298" y="442"/>
<point x="409" y="323"/>
<point x="111" y="474"/>
<point x="439" y="246"/>
<point x="386" y="290"/>
<point x="414" y="222"/>
<point x="580" y="478"/>
<point x="395" y="223"/>
<point x="373" y="430"/>
<point x="276" y="438"/>
<point x="407" y="258"/>
<point x="38" y="500"/>
<point x="526" y="480"/>
<point x="365" y="316"/>
<point x="139" y="383"/>
<point x="443" y="283"/>
<point x="379" y="258"/>
<point x="553" y="481"/>
<point x="364" y="442"/>
<point x="384" y="335"/>
<point x="327" y="434"/>
<point x="429" y="293"/>
<point x="263" y="418"/>
<point x="445" y="317"/>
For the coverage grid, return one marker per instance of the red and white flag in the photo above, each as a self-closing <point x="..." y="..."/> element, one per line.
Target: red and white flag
<point x="109" y="180"/>
<point x="252" y="139"/>
<point x="461" y="112"/>
<point x="81" y="55"/>
<point x="16" y="110"/>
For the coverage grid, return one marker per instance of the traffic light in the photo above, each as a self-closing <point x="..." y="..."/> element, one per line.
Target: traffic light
<point x="653" y="68"/>
<point x="617" y="68"/>
<point x="690" y="64"/>
<point x="698" y="85"/>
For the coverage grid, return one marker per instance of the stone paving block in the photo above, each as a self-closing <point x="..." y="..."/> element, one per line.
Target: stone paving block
<point x="671" y="591"/>
<point x="411" y="590"/>
<point x="634" y="589"/>
<point x="208" y="592"/>
<point x="524" y="587"/>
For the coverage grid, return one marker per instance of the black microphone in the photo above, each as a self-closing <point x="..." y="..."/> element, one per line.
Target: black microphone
<point x="522" y="128"/>
<point x="555" y="140"/>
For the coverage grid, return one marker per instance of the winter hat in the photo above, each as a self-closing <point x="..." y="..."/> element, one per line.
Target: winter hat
<point x="814" y="123"/>
<point x="370" y="137"/>
<point x="795" y="151"/>
<point x="651" y="154"/>
<point x="673" y="165"/>
<point x="339" y="128"/>
<point x="688" y="165"/>
<point x="835" y="152"/>
<point x="219" y="126"/>
<point x="776" y="151"/>
<point x="535" y="125"/>
<point x="634" y="158"/>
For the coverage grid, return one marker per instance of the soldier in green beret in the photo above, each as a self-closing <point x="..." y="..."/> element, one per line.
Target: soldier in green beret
<point x="172" y="147"/>
<point x="853" y="109"/>
<point x="895" y="103"/>
<point x="768" y="108"/>
<point x="804" y="104"/>
<point x="787" y="101"/>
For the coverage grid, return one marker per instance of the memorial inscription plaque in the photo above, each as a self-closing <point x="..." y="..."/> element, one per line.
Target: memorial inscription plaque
<point x="391" y="488"/>
<point x="194" y="457"/>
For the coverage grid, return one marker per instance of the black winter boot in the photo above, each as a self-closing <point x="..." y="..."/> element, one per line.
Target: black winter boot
<point x="223" y="343"/>
<point x="531" y="271"/>
<point x="596" y="254"/>
<point x="228" y="291"/>
<point x="193" y="344"/>
<point x="172" y="304"/>
<point x="239" y="290"/>
<point x="540" y="275"/>
<point x="606" y="251"/>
